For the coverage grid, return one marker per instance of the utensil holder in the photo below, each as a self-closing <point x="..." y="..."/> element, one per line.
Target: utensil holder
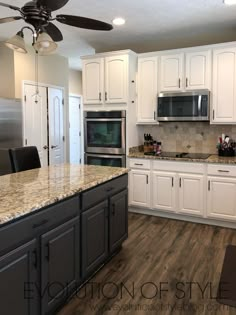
<point x="226" y="152"/>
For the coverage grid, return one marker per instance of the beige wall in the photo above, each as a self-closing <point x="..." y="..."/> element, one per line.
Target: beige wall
<point x="7" y="80"/>
<point x="75" y="82"/>
<point x="52" y="70"/>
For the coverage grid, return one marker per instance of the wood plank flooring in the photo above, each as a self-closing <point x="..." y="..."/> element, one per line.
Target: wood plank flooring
<point x="183" y="258"/>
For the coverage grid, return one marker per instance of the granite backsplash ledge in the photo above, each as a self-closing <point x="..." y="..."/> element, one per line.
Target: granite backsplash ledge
<point x="192" y="137"/>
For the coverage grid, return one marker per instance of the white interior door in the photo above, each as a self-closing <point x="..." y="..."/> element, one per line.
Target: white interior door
<point x="75" y="129"/>
<point x="56" y="128"/>
<point x="35" y="120"/>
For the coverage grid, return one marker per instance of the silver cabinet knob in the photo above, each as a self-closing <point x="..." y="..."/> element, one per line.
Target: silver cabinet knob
<point x="45" y="147"/>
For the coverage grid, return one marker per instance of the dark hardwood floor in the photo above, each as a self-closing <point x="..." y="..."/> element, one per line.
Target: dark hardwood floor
<point x="165" y="267"/>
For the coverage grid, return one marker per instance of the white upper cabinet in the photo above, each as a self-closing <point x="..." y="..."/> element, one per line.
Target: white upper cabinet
<point x="224" y="86"/>
<point x="93" y="80"/>
<point x="189" y="71"/>
<point x="147" y="90"/>
<point x="198" y="70"/>
<point x="171" y="72"/>
<point x="116" y="79"/>
<point x="105" y="80"/>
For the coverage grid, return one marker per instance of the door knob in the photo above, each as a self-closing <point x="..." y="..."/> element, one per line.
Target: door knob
<point x="54" y="146"/>
<point x="45" y="147"/>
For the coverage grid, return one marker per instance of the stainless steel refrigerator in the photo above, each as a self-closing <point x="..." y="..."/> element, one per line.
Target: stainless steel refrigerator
<point x="11" y="130"/>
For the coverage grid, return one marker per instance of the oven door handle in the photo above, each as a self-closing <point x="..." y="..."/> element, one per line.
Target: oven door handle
<point x="105" y="156"/>
<point x="104" y="119"/>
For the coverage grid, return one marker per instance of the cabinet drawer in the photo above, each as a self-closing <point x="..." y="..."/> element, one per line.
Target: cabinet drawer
<point x="222" y="170"/>
<point x="103" y="191"/>
<point x="26" y="228"/>
<point x="140" y="163"/>
<point x="183" y="167"/>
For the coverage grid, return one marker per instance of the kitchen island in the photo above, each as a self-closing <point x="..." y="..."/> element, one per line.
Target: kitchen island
<point x="58" y="226"/>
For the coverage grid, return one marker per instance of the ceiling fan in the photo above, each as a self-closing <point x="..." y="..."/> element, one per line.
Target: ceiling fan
<point x="38" y="13"/>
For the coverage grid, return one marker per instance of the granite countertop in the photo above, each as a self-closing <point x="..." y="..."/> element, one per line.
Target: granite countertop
<point x="214" y="158"/>
<point x="24" y="192"/>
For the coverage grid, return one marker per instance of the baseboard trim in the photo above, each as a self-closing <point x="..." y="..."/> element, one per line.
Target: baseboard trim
<point x="181" y="217"/>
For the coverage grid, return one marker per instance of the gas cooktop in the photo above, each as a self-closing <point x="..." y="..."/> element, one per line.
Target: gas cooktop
<point x="202" y="156"/>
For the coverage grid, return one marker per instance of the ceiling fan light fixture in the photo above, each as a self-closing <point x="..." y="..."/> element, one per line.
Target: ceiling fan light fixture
<point x="229" y="2"/>
<point x="17" y="43"/>
<point x="44" y="44"/>
<point x="118" y="21"/>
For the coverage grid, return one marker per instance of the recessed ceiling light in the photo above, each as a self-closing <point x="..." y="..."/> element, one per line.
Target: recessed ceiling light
<point x="229" y="2"/>
<point x="118" y="21"/>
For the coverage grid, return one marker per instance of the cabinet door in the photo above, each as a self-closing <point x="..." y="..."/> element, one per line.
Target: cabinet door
<point x="93" y="81"/>
<point x="18" y="281"/>
<point x="60" y="264"/>
<point x="147" y="90"/>
<point x="221" y="198"/>
<point x="139" y="188"/>
<point x="94" y="237"/>
<point x="116" y="79"/>
<point x="224" y="85"/>
<point x="118" y="220"/>
<point x="191" y="194"/>
<point x="172" y="72"/>
<point x="198" y="70"/>
<point x="164" y="194"/>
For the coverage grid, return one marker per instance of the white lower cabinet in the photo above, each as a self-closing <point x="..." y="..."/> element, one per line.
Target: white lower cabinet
<point x="139" y="188"/>
<point x="163" y="191"/>
<point x="184" y="188"/>
<point x="191" y="194"/>
<point x="221" y="198"/>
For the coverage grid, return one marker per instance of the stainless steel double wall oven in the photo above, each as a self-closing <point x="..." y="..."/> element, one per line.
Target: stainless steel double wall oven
<point x="105" y="138"/>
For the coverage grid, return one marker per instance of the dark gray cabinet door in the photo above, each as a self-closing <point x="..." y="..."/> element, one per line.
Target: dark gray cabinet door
<point x="18" y="281"/>
<point x="118" y="220"/>
<point x="60" y="253"/>
<point x="94" y="237"/>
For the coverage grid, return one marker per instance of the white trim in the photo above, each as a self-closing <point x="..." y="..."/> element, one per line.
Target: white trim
<point x="174" y="216"/>
<point x="81" y="124"/>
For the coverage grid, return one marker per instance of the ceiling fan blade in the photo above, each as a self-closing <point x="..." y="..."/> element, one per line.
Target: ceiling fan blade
<point x="54" y="32"/>
<point x="10" y="19"/>
<point x="52" y="5"/>
<point x="9" y="6"/>
<point x="82" y="22"/>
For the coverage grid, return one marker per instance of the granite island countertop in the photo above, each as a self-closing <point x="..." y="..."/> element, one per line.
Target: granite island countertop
<point x="214" y="158"/>
<point x="25" y="192"/>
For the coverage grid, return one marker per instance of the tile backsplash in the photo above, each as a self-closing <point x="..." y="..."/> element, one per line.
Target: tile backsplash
<point x="189" y="137"/>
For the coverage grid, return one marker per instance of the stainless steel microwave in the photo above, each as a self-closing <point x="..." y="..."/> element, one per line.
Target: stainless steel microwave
<point x="184" y="106"/>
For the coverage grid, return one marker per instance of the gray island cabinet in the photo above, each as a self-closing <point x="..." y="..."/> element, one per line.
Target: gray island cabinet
<point x="48" y="252"/>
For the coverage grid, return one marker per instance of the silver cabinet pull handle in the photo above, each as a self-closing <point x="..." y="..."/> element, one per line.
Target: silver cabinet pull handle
<point x="105" y="96"/>
<point x="179" y="82"/>
<point x="180" y="183"/>
<point x="172" y="182"/>
<point x="209" y="185"/>
<point x="186" y="82"/>
<point x="100" y="96"/>
<point x="138" y="164"/>
<point x="147" y="179"/>
<point x="223" y="171"/>
<point x="54" y="146"/>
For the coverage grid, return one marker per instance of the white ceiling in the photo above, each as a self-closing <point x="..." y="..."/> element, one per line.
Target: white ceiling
<point x="150" y="25"/>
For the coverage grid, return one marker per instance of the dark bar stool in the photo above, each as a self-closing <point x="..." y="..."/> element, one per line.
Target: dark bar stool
<point x="24" y="158"/>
